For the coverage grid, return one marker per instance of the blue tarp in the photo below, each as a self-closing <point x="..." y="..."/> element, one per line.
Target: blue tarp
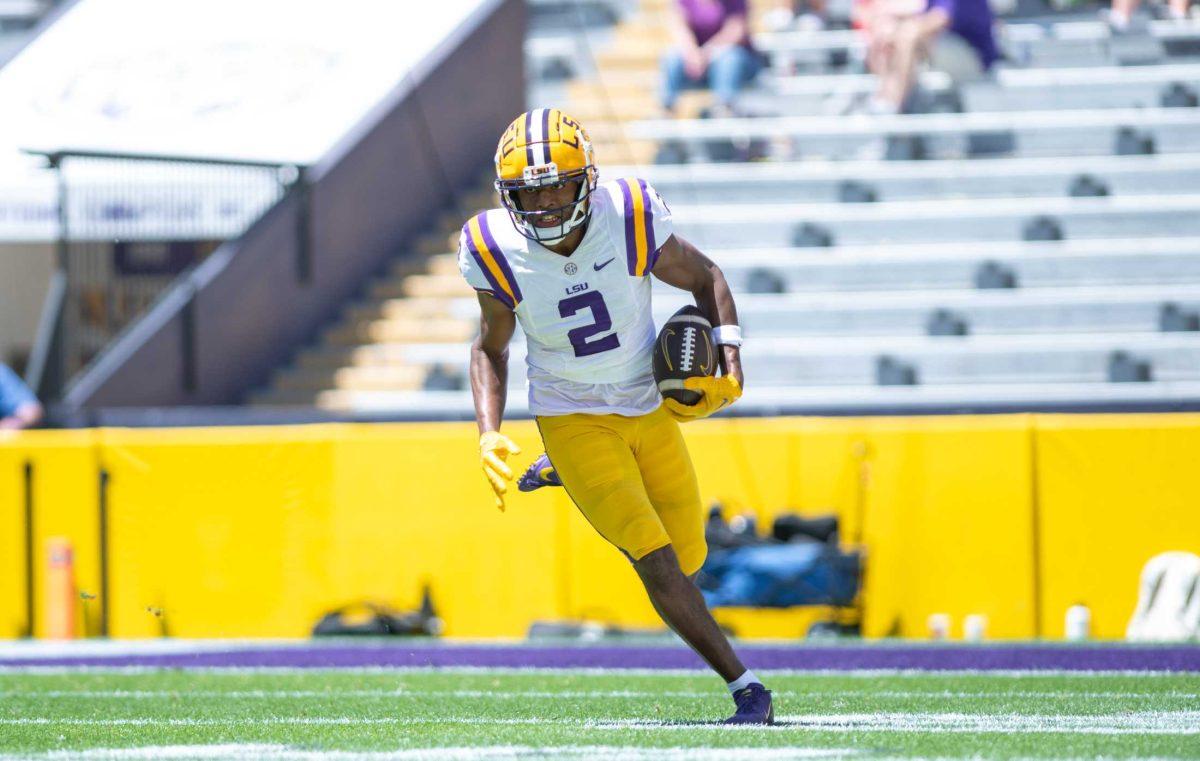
<point x="780" y="576"/>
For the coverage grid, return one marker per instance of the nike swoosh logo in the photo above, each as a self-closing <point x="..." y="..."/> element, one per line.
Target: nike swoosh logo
<point x="599" y="267"/>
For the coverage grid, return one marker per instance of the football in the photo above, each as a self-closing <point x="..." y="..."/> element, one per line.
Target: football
<point x="683" y="349"/>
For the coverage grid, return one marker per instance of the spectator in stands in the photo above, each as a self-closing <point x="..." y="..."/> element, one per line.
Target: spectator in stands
<point x="713" y="47"/>
<point x="19" y="408"/>
<point x="1122" y="12"/>
<point x="900" y="37"/>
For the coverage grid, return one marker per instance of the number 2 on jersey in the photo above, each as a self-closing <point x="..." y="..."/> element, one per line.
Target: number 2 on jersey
<point x="602" y="322"/>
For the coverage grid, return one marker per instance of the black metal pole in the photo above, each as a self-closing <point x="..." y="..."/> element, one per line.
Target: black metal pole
<point x="303" y="228"/>
<point x="57" y="363"/>
<point x="30" y="609"/>
<point x="187" y="344"/>
<point x="103" y="518"/>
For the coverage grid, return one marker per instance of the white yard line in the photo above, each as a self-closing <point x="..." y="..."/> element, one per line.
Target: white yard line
<point x="1136" y="723"/>
<point x="521" y="694"/>
<point x="271" y="752"/>
<point x="1133" y="723"/>
<point x="1130" y="723"/>
<point x="587" y="671"/>
<point x="335" y="693"/>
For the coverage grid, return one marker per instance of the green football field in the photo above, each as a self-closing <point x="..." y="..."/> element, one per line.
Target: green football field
<point x="497" y="713"/>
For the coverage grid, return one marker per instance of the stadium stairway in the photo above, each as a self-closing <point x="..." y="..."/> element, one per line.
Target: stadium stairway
<point x="1038" y="245"/>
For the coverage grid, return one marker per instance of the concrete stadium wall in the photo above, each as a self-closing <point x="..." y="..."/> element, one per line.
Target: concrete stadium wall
<point x="249" y="532"/>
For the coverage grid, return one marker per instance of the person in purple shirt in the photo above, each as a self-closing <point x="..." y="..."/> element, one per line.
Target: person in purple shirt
<point x="19" y="408"/>
<point x="900" y="39"/>
<point x="712" y="47"/>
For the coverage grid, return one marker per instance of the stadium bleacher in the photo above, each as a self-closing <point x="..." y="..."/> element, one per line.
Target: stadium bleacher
<point x="1034" y="241"/>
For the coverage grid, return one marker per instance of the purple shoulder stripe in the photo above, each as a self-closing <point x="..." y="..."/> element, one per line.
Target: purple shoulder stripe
<point x="496" y="290"/>
<point x="630" y="235"/>
<point x="501" y="260"/>
<point x="648" y="213"/>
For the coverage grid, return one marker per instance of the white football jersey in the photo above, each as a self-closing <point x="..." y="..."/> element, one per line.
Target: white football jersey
<point x="586" y="317"/>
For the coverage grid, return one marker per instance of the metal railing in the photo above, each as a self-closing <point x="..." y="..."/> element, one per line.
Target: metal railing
<point x="128" y="226"/>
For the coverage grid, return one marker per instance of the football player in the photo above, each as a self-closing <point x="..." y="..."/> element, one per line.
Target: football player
<point x="570" y="259"/>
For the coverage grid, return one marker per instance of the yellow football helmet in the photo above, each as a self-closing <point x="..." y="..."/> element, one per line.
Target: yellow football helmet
<point x="545" y="147"/>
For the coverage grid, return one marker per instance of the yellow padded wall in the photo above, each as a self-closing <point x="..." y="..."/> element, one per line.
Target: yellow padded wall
<point x="12" y="537"/>
<point x="413" y="508"/>
<point x="257" y="531"/>
<point x="1115" y="491"/>
<point x="773" y="465"/>
<point x="219" y="532"/>
<point x="949" y="524"/>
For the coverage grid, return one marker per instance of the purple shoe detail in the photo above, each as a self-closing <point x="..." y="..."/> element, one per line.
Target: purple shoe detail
<point x="753" y="706"/>
<point x="540" y="473"/>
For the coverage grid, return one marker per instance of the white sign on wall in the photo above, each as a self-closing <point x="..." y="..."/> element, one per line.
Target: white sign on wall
<point x="275" y="80"/>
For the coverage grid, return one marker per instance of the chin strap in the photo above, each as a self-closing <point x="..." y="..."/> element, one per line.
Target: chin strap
<point x="552" y="241"/>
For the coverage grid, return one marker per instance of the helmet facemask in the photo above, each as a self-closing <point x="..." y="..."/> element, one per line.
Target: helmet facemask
<point x="571" y="215"/>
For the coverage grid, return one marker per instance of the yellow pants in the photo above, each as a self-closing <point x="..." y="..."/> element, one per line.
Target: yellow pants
<point x="632" y="479"/>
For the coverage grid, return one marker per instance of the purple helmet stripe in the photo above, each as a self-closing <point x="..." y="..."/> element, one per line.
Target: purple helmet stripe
<point x="546" y="135"/>
<point x="648" y="215"/>
<point x="498" y="255"/>
<point x="496" y="291"/>
<point x="630" y="235"/>
<point x="529" y="160"/>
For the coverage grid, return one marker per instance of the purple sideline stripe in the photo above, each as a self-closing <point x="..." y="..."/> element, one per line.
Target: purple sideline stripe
<point x="648" y="213"/>
<point x="496" y="291"/>
<point x="630" y="241"/>
<point x="498" y="255"/>
<point x="922" y="657"/>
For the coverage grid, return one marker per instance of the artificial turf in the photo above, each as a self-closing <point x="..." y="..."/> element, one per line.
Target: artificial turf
<point x="71" y="713"/>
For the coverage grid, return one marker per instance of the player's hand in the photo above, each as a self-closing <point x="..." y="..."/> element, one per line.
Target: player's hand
<point x="494" y="449"/>
<point x="717" y="394"/>
<point x="695" y="62"/>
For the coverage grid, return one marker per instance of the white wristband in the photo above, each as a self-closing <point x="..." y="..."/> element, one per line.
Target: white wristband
<point x="727" y="335"/>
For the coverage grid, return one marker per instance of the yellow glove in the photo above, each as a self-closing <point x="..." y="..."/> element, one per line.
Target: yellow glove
<point x="494" y="449"/>
<point x="718" y="393"/>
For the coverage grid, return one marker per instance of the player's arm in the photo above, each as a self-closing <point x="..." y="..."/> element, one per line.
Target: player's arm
<point x="489" y="361"/>
<point x="489" y="386"/>
<point x="682" y="265"/>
